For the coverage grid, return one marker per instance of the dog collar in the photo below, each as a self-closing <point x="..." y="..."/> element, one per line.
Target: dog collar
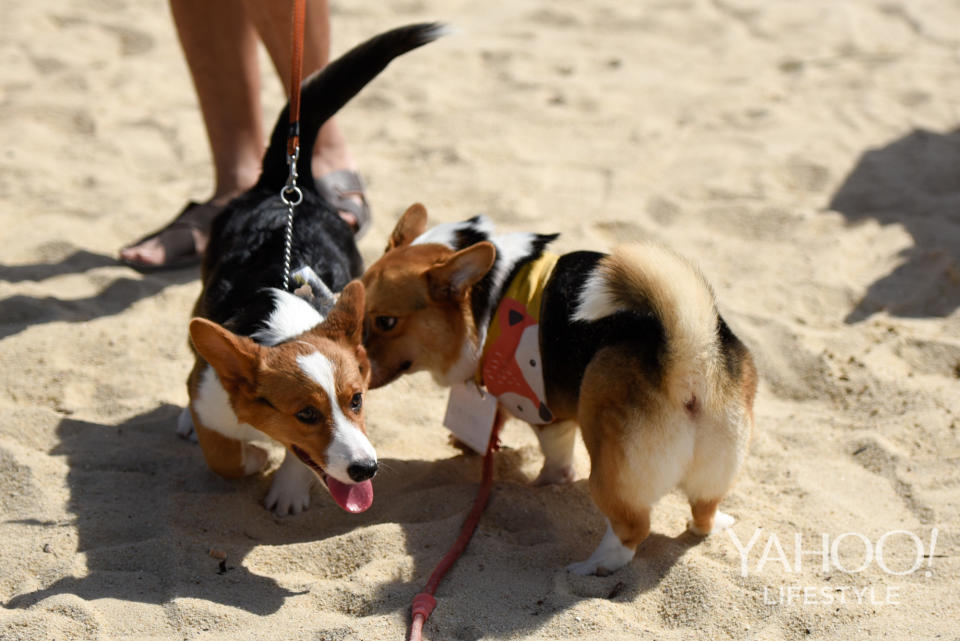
<point x="510" y="366"/>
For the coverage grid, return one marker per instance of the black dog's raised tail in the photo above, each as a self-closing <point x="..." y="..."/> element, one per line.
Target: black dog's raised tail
<point x="325" y="92"/>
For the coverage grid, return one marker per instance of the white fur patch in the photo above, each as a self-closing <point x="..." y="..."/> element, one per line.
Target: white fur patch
<point x="511" y="249"/>
<point x="595" y="300"/>
<point x="185" y="426"/>
<point x="446" y="233"/>
<point x="290" y="317"/>
<point x="349" y="445"/>
<point x="611" y="555"/>
<point x="557" y="442"/>
<point x="212" y="405"/>
<point x="464" y="368"/>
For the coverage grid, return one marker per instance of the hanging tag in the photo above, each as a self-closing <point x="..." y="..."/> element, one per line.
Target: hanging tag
<point x="470" y="415"/>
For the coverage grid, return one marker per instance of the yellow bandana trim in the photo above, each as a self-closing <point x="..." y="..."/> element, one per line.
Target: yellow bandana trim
<point x="527" y="288"/>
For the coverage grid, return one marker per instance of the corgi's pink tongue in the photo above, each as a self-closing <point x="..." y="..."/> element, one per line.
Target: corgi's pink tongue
<point x="354" y="498"/>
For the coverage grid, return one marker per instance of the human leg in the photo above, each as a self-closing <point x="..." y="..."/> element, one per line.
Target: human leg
<point x="220" y="46"/>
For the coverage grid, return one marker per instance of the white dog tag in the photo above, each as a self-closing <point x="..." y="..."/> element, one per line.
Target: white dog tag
<point x="470" y="414"/>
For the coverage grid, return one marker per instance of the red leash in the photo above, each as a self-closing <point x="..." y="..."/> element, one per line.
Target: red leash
<point x="424" y="603"/>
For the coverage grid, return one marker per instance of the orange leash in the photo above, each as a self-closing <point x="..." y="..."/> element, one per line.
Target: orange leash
<point x="296" y="74"/>
<point x="291" y="194"/>
<point x="424" y="603"/>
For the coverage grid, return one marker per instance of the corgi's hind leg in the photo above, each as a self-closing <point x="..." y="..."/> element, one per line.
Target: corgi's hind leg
<point x="718" y="455"/>
<point x="638" y="448"/>
<point x="229" y="457"/>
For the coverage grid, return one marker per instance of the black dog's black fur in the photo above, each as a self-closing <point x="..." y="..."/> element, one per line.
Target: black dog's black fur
<point x="245" y="253"/>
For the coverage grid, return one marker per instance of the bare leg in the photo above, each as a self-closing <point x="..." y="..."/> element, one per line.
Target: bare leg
<point x="220" y="46"/>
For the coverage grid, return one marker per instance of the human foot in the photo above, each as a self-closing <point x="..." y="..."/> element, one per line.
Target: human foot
<point x="178" y="244"/>
<point x="338" y="182"/>
<point x="344" y="189"/>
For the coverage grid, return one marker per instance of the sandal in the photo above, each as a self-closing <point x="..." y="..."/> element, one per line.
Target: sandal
<point x="339" y="189"/>
<point x="177" y="238"/>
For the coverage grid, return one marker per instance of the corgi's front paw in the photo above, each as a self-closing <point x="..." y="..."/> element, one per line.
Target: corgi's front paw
<point x="290" y="491"/>
<point x="185" y="426"/>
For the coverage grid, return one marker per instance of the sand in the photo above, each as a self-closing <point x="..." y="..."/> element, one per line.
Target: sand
<point x="805" y="155"/>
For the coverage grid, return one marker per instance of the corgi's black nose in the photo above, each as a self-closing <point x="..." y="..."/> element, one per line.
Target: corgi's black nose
<point x="363" y="470"/>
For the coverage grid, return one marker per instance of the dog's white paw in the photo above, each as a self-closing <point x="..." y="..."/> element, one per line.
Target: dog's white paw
<point x="555" y="475"/>
<point x="610" y="556"/>
<point x="290" y="491"/>
<point x="185" y="426"/>
<point x="721" y="521"/>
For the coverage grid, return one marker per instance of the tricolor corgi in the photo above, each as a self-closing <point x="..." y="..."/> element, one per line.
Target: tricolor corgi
<point x="269" y="366"/>
<point x="628" y="346"/>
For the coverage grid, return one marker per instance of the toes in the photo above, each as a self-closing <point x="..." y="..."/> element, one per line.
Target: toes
<point x="286" y="505"/>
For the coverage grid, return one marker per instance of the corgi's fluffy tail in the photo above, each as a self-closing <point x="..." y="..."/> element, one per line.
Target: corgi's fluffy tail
<point x="325" y="92"/>
<point x="649" y="277"/>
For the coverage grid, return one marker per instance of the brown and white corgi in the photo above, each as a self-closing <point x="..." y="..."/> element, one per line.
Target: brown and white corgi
<point x="269" y="367"/>
<point x="298" y="381"/>
<point x="628" y="346"/>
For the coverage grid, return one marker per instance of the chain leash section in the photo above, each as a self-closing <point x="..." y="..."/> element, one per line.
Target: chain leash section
<point x="291" y="197"/>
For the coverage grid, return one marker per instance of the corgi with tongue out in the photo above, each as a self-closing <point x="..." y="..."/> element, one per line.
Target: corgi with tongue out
<point x="300" y="386"/>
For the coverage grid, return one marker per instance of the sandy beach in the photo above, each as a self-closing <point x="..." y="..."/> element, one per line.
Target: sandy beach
<point x="805" y="155"/>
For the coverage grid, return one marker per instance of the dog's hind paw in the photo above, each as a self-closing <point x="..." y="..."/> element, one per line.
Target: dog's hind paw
<point x="610" y="556"/>
<point x="721" y="521"/>
<point x="185" y="426"/>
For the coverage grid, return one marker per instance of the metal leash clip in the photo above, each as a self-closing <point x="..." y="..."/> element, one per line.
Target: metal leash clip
<point x="291" y="197"/>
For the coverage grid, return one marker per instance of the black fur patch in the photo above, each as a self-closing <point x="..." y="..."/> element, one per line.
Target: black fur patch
<point x="567" y="347"/>
<point x="732" y="351"/>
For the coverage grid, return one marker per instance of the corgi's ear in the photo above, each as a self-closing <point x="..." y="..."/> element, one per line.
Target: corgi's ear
<point x="347" y="316"/>
<point x="235" y="358"/>
<point x="453" y="278"/>
<point x="412" y="223"/>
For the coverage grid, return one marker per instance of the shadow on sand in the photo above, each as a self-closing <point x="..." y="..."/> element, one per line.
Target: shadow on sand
<point x="914" y="182"/>
<point x="158" y="553"/>
<point x="20" y="311"/>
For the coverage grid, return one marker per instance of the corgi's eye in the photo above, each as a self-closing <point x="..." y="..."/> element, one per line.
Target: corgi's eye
<point x="356" y="402"/>
<point x="385" y="323"/>
<point x="309" y="415"/>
